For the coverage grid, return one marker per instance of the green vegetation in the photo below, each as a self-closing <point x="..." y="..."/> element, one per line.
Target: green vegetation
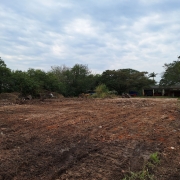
<point x="154" y="158"/>
<point x="125" y="80"/>
<point x="145" y="174"/>
<point x="142" y="175"/>
<point x="71" y="81"/>
<point x="101" y="91"/>
<point x="171" y="76"/>
<point x="153" y="75"/>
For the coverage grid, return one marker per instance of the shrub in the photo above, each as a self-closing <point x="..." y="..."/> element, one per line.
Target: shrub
<point x="101" y="91"/>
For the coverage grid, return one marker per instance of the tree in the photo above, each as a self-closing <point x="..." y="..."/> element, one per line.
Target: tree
<point x="124" y="80"/>
<point x="64" y="77"/>
<point x="80" y="79"/>
<point x="2" y="63"/>
<point x="153" y="75"/>
<point x="53" y="84"/>
<point x="61" y="72"/>
<point x="5" y="74"/>
<point x="75" y="80"/>
<point x="21" y="82"/>
<point x="171" y="76"/>
<point x="45" y="81"/>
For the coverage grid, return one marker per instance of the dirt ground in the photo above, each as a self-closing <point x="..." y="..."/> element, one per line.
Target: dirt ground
<point x="88" y="138"/>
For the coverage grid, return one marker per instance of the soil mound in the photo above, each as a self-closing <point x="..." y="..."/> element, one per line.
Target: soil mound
<point x="8" y="98"/>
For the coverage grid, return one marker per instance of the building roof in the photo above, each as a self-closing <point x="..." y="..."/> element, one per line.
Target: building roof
<point x="164" y="87"/>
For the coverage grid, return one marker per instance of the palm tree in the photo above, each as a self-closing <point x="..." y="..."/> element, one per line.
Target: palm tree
<point x="153" y="75"/>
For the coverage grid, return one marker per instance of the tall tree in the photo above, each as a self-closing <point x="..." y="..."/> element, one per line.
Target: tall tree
<point x="171" y="76"/>
<point x="153" y="75"/>
<point x="76" y="80"/>
<point x="5" y="74"/>
<point x="124" y="80"/>
<point x="80" y="75"/>
<point x="21" y="82"/>
<point x="64" y="76"/>
<point x="2" y="63"/>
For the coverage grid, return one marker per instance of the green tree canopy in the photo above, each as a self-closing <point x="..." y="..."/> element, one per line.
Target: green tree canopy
<point x="75" y="80"/>
<point x="2" y="63"/>
<point x="171" y="76"/>
<point x="45" y="81"/>
<point x="153" y="75"/>
<point x="124" y="80"/>
<point x="21" y="82"/>
<point x="71" y="81"/>
<point x="5" y="74"/>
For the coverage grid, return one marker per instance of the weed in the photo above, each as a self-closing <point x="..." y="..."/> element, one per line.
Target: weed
<point x="145" y="173"/>
<point x="155" y="158"/>
<point x="142" y="175"/>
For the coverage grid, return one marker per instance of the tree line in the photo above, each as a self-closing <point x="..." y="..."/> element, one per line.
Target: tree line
<point x="71" y="81"/>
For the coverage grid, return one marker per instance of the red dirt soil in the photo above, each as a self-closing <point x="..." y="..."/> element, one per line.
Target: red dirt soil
<point x="89" y="138"/>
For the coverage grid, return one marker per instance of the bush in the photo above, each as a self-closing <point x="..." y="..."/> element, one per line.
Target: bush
<point x="101" y="91"/>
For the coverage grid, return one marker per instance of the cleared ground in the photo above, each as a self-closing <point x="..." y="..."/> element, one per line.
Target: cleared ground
<point x="88" y="139"/>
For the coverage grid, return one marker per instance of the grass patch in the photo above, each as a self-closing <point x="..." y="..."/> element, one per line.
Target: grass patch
<point x="146" y="173"/>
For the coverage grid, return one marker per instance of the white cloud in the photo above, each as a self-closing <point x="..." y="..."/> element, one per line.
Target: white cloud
<point x="81" y="26"/>
<point x="58" y="50"/>
<point x="141" y="35"/>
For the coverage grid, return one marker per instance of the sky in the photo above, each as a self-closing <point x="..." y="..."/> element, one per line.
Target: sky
<point x="102" y="34"/>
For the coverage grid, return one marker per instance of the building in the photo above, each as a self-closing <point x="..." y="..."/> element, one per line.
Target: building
<point x="156" y="90"/>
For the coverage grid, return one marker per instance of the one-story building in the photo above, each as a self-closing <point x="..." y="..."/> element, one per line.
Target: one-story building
<point x="157" y="90"/>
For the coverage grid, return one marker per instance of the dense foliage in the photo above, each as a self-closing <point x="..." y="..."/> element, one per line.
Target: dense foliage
<point x="5" y="74"/>
<point x="70" y="81"/>
<point x="171" y="76"/>
<point x="125" y="80"/>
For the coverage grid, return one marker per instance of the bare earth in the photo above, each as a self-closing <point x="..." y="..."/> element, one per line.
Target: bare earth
<point x="88" y="138"/>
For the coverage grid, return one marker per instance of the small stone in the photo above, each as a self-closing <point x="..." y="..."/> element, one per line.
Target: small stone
<point x="2" y="134"/>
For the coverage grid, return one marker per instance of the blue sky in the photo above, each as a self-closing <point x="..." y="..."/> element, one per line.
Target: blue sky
<point x="104" y="34"/>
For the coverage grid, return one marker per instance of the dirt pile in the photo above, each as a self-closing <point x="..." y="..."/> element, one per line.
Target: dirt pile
<point x="8" y="98"/>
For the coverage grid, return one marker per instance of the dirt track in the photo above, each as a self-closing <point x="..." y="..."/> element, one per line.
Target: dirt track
<point x="89" y="139"/>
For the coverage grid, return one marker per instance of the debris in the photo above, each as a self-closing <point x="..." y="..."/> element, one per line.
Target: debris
<point x="164" y="117"/>
<point x="29" y="97"/>
<point x="2" y="134"/>
<point x="51" y="95"/>
<point x="126" y="95"/>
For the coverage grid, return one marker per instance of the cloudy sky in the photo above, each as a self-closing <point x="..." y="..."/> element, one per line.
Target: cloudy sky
<point x="103" y="34"/>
